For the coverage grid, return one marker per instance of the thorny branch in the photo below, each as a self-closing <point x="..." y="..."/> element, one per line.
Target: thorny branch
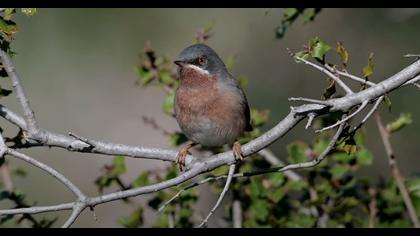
<point x="36" y="136"/>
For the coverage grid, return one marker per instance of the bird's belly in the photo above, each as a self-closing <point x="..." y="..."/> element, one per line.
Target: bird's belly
<point x="211" y="133"/>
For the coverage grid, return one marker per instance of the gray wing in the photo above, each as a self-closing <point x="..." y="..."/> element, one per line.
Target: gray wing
<point x="247" y="114"/>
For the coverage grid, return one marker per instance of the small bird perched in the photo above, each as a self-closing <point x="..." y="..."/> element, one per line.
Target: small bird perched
<point x="210" y="107"/>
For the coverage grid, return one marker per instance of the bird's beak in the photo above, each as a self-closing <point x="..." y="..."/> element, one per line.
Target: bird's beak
<point x="179" y="63"/>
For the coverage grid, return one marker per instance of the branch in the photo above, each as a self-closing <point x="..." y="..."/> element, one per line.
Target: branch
<point x="20" y="93"/>
<point x="396" y="172"/>
<point x="222" y="195"/>
<point x="195" y="166"/>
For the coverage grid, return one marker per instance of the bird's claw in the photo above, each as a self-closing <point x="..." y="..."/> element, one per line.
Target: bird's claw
<point x="237" y="152"/>
<point x="180" y="158"/>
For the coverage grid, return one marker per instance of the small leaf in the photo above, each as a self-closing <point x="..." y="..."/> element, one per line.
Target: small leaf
<point x="302" y="54"/>
<point x="134" y="220"/>
<point x="259" y="118"/>
<point x="297" y="152"/>
<point x="368" y="69"/>
<point x="401" y="122"/>
<point x="289" y="13"/>
<point x="145" y="76"/>
<point x="277" y="195"/>
<point x="177" y="138"/>
<point x="166" y="78"/>
<point x="141" y="180"/>
<point x="319" y="48"/>
<point x="230" y="62"/>
<point x="364" y="157"/>
<point x="119" y="165"/>
<point x="413" y="186"/>
<point x="29" y="11"/>
<point x="388" y="102"/>
<point x="343" y="53"/>
<point x="329" y="91"/>
<point x="297" y="185"/>
<point x="339" y="171"/>
<point x="168" y="104"/>
<point x="260" y="210"/>
<point x="310" y="13"/>
<point x="19" y="172"/>
<point x="8" y="13"/>
<point x="281" y="31"/>
<point x="243" y="81"/>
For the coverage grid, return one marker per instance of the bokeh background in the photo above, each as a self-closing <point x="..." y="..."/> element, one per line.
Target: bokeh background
<point x="77" y="66"/>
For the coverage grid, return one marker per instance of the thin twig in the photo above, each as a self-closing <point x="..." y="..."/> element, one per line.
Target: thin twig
<point x="373" y="209"/>
<point x="328" y="73"/>
<point x="396" y="172"/>
<point x="20" y="93"/>
<point x="222" y="195"/>
<point x="237" y="214"/>
<point x="275" y="161"/>
<point x="364" y="104"/>
<point x="77" y="209"/>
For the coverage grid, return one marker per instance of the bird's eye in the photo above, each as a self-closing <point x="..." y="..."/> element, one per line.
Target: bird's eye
<point x="202" y="60"/>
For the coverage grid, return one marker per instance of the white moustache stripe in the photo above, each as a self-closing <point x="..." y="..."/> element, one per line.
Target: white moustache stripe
<point x="200" y="70"/>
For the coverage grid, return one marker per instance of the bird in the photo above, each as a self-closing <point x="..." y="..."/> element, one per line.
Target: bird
<point x="210" y="106"/>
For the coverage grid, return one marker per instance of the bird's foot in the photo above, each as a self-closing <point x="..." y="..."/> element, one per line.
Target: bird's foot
<point x="237" y="152"/>
<point x="182" y="154"/>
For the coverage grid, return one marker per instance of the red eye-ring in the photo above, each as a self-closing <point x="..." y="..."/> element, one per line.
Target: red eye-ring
<point x="202" y="60"/>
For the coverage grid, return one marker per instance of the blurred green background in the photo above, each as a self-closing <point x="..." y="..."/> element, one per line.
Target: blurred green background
<point x="77" y="66"/>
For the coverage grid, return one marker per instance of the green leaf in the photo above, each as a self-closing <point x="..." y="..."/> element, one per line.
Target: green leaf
<point x="343" y="53"/>
<point x="297" y="185"/>
<point x="359" y="137"/>
<point x="387" y="102"/>
<point x="119" y="165"/>
<point x="364" y="157"/>
<point x="280" y="31"/>
<point x="145" y="76"/>
<point x="401" y="122"/>
<point x="259" y="118"/>
<point x="339" y="171"/>
<point x="413" y="186"/>
<point x="309" y="14"/>
<point x="243" y="81"/>
<point x="141" y="180"/>
<point x="368" y="69"/>
<point x="302" y="54"/>
<point x="19" y="172"/>
<point x="318" y="48"/>
<point x="342" y="157"/>
<point x="230" y="61"/>
<point x="166" y="78"/>
<point x="103" y="182"/>
<point x="8" y="27"/>
<point x="289" y="13"/>
<point x="177" y="139"/>
<point x="277" y="195"/>
<point x="329" y="91"/>
<point x="259" y="210"/>
<point x="297" y="152"/>
<point x="134" y="220"/>
<point x="8" y="13"/>
<point x="168" y="104"/>
<point x="29" y="11"/>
